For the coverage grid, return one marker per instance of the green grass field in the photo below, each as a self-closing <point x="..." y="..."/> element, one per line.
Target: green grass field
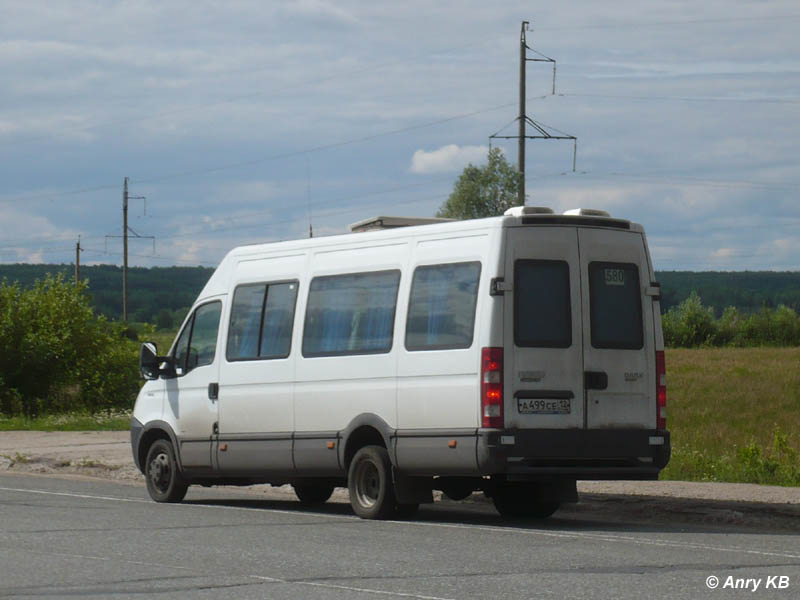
<point x="734" y="414"/>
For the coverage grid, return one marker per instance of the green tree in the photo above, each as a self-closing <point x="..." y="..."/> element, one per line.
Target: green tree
<point x="483" y="191"/>
<point x="56" y="355"/>
<point x="164" y="319"/>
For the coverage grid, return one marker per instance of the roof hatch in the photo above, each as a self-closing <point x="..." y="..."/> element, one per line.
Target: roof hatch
<point x="587" y="212"/>
<point x="523" y="211"/>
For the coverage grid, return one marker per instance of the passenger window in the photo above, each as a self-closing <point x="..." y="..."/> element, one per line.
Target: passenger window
<point x="542" y="306"/>
<point x="350" y="314"/>
<point x="197" y="343"/>
<point x="616" y="306"/>
<point x="276" y="331"/>
<point x="262" y="317"/>
<point x="441" y="309"/>
<point x="243" y="332"/>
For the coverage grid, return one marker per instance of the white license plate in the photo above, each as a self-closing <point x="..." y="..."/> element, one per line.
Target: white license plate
<point x="544" y="406"/>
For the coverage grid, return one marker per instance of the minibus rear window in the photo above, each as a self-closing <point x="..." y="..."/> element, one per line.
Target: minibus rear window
<point x="616" y="306"/>
<point x="542" y="308"/>
<point x="350" y="314"/>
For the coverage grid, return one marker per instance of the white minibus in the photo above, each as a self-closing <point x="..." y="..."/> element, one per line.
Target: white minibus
<point x="510" y="355"/>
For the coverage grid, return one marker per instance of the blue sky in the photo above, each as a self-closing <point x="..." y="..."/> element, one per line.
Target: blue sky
<point x="240" y="121"/>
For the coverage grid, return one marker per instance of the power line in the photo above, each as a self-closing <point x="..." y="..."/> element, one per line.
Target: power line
<point x="248" y="96"/>
<point x="639" y="24"/>
<point x="774" y="100"/>
<point x="282" y="155"/>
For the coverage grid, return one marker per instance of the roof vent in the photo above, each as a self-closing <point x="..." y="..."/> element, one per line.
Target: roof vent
<point x="377" y="223"/>
<point x="522" y="211"/>
<point x="587" y="212"/>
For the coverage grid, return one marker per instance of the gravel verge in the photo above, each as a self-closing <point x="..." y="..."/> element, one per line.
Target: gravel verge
<point x="107" y="454"/>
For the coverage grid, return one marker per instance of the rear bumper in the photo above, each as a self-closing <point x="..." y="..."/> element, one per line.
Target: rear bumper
<point x="573" y="453"/>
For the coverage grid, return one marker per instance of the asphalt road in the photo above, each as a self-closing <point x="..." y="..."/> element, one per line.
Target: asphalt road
<point x="81" y="538"/>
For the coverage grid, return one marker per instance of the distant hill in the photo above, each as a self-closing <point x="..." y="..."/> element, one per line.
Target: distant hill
<point x="155" y="294"/>
<point x="163" y="294"/>
<point x="748" y="291"/>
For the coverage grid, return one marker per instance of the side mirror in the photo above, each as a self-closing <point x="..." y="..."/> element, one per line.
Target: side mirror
<point x="149" y="361"/>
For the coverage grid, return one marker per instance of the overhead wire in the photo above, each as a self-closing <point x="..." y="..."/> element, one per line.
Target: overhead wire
<point x="270" y="93"/>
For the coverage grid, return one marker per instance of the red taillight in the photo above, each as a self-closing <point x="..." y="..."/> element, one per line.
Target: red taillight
<point x="492" y="387"/>
<point x="661" y="390"/>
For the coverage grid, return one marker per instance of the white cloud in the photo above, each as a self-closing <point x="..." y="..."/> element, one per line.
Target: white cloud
<point x="321" y="10"/>
<point x="447" y="158"/>
<point x="725" y="253"/>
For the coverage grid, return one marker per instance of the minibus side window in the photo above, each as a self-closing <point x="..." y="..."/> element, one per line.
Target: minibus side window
<point x="542" y="306"/>
<point x="441" y="308"/>
<point x="616" y="306"/>
<point x="262" y="316"/>
<point x="350" y="314"/>
<point x="278" y="319"/>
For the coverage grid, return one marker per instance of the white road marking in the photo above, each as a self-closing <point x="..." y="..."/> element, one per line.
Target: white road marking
<point x="538" y="532"/>
<point x="263" y="578"/>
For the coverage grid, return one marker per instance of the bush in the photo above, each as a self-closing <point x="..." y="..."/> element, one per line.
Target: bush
<point x="56" y="356"/>
<point x="690" y="324"/>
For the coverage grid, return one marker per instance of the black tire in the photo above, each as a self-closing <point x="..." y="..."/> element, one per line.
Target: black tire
<point x="369" y="481"/>
<point x="164" y="480"/>
<point x="516" y="502"/>
<point x="313" y="493"/>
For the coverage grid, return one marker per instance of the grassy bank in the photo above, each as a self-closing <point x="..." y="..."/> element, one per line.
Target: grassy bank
<point x="105" y="421"/>
<point x="734" y="414"/>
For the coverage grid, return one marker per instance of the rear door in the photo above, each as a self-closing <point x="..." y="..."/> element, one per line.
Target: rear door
<point x="544" y="355"/>
<point x="618" y="355"/>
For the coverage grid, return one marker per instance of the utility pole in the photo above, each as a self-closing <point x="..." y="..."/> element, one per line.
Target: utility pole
<point x="522" y="119"/>
<point x="78" y="250"/>
<point x="124" y="236"/>
<point x="125" y="229"/>
<point x="521" y="142"/>
<point x="125" y="251"/>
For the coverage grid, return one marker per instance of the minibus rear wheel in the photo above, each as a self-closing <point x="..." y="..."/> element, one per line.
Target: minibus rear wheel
<point x="369" y="481"/>
<point x="164" y="480"/>
<point x="313" y="493"/>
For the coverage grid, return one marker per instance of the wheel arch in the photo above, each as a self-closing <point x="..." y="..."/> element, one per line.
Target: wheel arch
<point x="366" y="429"/>
<point x="153" y="431"/>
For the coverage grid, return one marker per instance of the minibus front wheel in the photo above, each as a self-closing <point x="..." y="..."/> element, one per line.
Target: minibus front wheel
<point x="164" y="480"/>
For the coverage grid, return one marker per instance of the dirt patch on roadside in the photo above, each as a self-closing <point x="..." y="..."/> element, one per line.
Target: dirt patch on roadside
<point x="107" y="455"/>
